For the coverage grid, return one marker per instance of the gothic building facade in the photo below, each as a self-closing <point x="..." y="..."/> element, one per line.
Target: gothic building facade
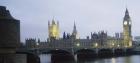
<point x="97" y="39"/>
<point x="100" y="37"/>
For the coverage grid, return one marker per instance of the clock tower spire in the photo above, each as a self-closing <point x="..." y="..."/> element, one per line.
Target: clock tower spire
<point x="74" y="33"/>
<point x="127" y="39"/>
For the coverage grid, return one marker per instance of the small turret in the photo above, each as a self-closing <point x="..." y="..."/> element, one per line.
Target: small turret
<point x="64" y="35"/>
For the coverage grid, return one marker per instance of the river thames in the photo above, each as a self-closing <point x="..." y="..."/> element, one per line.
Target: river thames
<point x="46" y="58"/>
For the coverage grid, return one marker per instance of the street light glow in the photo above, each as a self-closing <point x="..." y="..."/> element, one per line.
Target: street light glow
<point x="78" y="44"/>
<point x="37" y="43"/>
<point x="118" y="45"/>
<point x="113" y="44"/>
<point x="96" y="44"/>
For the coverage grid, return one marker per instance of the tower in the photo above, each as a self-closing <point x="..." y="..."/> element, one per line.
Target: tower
<point x="127" y="38"/>
<point x="74" y="33"/>
<point x="53" y="30"/>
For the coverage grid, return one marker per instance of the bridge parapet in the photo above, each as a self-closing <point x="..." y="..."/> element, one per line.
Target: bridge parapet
<point x="73" y="46"/>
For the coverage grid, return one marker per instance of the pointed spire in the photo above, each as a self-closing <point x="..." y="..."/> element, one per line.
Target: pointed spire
<point x="126" y="12"/>
<point x="74" y="33"/>
<point x="68" y="35"/>
<point x="126" y="17"/>
<point x="74" y="25"/>
<point x="74" y="29"/>
<point x="53" y="18"/>
<point x="64" y="35"/>
<point x="53" y="22"/>
<point x="38" y="40"/>
<point x="58" y="23"/>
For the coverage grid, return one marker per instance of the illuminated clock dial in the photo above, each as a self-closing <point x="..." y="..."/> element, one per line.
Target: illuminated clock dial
<point x="129" y="23"/>
<point x="125" y="23"/>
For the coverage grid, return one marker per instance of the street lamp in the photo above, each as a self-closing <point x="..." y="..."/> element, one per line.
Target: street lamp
<point x="113" y="44"/>
<point x="118" y="45"/>
<point x="96" y="44"/>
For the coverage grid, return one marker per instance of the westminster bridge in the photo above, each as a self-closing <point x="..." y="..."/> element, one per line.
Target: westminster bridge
<point x="80" y="48"/>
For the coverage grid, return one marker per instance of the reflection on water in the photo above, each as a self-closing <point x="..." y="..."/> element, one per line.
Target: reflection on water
<point x="113" y="60"/>
<point x="45" y="58"/>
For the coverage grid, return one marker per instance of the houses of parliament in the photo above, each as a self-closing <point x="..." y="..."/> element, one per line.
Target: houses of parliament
<point x="101" y="38"/>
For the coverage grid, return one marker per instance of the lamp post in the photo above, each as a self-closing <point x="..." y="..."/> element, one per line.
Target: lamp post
<point x="78" y="44"/>
<point x="113" y="44"/>
<point x="96" y="45"/>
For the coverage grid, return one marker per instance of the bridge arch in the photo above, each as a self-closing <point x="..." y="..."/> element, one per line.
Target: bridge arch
<point x="54" y="51"/>
<point x="57" y="51"/>
<point x="60" y="55"/>
<point x="105" y="52"/>
<point x="119" y="52"/>
<point x="129" y="51"/>
<point x="85" y="54"/>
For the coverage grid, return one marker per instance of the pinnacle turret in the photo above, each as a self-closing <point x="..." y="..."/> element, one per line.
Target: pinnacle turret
<point x="74" y="30"/>
<point x="126" y="17"/>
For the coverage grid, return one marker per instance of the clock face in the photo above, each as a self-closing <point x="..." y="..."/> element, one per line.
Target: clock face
<point x="125" y="23"/>
<point x="129" y="23"/>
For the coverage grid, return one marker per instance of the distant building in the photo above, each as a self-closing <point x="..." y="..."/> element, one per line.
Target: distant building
<point x="121" y="35"/>
<point x="137" y="40"/>
<point x="98" y="39"/>
<point x="30" y="43"/>
<point x="114" y="41"/>
<point x="117" y="35"/>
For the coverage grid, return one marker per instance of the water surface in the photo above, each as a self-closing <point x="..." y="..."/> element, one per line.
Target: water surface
<point x="46" y="58"/>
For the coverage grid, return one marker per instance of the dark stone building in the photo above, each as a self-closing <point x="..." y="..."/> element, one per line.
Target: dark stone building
<point x="9" y="36"/>
<point x="30" y="43"/>
<point x="11" y="50"/>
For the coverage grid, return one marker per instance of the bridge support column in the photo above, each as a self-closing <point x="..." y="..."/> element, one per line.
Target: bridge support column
<point x="97" y="50"/>
<point x="72" y="51"/>
<point x="125" y="50"/>
<point x="113" y="51"/>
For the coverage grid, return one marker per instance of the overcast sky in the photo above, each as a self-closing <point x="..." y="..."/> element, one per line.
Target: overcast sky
<point x="89" y="16"/>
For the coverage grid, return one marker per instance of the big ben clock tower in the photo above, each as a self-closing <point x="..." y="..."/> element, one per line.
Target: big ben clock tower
<point x="127" y="39"/>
